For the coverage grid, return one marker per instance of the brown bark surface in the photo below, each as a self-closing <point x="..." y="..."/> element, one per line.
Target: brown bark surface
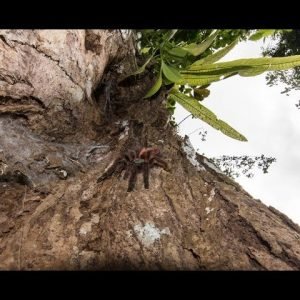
<point x="58" y="134"/>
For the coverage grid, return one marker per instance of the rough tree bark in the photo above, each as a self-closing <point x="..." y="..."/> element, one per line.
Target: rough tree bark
<point x="65" y="115"/>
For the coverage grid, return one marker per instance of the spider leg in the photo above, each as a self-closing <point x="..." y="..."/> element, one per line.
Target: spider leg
<point x="146" y="175"/>
<point x="129" y="157"/>
<point x="109" y="172"/>
<point x="127" y="172"/>
<point x="160" y="163"/>
<point x="121" y="165"/>
<point x="132" y="178"/>
<point x="117" y="167"/>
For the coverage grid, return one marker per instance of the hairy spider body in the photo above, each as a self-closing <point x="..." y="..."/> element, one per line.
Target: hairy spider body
<point x="151" y="158"/>
<point x="135" y="162"/>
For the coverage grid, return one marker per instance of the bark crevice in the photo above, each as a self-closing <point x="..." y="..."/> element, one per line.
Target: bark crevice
<point x="56" y="61"/>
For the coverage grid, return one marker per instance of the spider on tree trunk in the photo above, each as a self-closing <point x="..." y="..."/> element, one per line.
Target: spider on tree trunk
<point x="135" y="162"/>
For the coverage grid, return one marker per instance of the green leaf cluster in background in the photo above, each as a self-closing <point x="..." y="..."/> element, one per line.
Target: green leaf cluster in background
<point x="188" y="61"/>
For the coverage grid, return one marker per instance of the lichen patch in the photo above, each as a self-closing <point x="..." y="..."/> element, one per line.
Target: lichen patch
<point x="191" y="155"/>
<point x="149" y="233"/>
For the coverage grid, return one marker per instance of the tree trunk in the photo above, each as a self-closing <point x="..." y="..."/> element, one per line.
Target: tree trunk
<point x="66" y="114"/>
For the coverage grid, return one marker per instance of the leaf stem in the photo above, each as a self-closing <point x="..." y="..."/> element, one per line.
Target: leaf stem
<point x="184" y="119"/>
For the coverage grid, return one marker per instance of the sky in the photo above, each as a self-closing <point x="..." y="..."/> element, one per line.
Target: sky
<point x="268" y="119"/>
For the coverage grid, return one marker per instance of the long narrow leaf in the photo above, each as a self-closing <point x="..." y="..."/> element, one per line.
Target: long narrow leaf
<point x="177" y="52"/>
<point x="215" y="56"/>
<point x="194" y="79"/>
<point x="170" y="34"/>
<point x="197" y="49"/>
<point x="203" y="113"/>
<point x="207" y="73"/>
<point x="156" y="86"/>
<point x="261" y="34"/>
<point x="269" y="63"/>
<point x="170" y="72"/>
<point x="253" y="71"/>
<point x="142" y="68"/>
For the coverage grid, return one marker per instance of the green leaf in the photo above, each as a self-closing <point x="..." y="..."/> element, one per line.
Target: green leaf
<point x="206" y="73"/>
<point x="156" y="86"/>
<point x="197" y="49"/>
<point x="244" y="67"/>
<point x="178" y="52"/>
<point x="187" y="90"/>
<point x="170" y="72"/>
<point x="253" y="71"/>
<point x="170" y="34"/>
<point x="145" y="50"/>
<point x="206" y="115"/>
<point x="215" y="56"/>
<point x="261" y="34"/>
<point x="142" y="68"/>
<point x="166" y="81"/>
<point x="194" y="79"/>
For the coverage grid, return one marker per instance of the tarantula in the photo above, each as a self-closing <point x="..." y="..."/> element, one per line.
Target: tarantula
<point x="135" y="162"/>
